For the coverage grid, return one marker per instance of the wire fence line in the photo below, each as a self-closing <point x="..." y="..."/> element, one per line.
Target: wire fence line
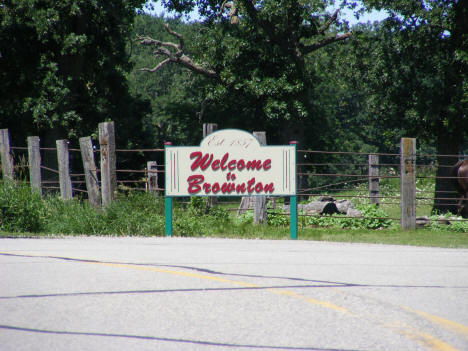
<point x="338" y="174"/>
<point x="302" y="190"/>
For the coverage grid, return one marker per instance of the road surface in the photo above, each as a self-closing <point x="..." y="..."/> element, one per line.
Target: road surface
<point x="89" y="293"/>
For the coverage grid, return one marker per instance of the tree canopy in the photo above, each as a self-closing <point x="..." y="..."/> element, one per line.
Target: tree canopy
<point x="416" y="77"/>
<point x="63" y="64"/>
<point x="253" y="54"/>
<point x="292" y="68"/>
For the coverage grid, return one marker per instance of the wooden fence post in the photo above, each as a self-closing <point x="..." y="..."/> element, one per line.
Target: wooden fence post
<point x="64" y="169"/>
<point x="108" y="161"/>
<point x="209" y="128"/>
<point x="260" y="202"/>
<point x="7" y="160"/>
<point x="34" y="158"/>
<point x="408" y="183"/>
<point x="374" y="179"/>
<point x="152" y="179"/>
<point x="89" y="166"/>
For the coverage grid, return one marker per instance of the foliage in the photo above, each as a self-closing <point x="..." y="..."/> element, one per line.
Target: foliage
<point x="277" y="218"/>
<point x="174" y="93"/>
<point x="62" y="66"/>
<point x="372" y="218"/>
<point x="20" y="208"/>
<point x="456" y="224"/>
<point x="72" y="217"/>
<point x="196" y="220"/>
<point x="255" y="54"/>
<point x="414" y="77"/>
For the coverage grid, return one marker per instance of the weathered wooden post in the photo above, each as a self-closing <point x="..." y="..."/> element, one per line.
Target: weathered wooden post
<point x="260" y="213"/>
<point x="374" y="179"/>
<point x="89" y="166"/>
<point x="7" y="160"/>
<point x="408" y="183"/>
<point x="34" y="158"/>
<point x="152" y="178"/>
<point x="64" y="169"/>
<point x="257" y="203"/>
<point x="108" y="162"/>
<point x="209" y="128"/>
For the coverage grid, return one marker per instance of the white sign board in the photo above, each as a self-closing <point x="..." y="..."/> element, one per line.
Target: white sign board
<point x="230" y="162"/>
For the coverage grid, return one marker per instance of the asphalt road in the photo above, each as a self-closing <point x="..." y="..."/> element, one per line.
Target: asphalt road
<point x="216" y="294"/>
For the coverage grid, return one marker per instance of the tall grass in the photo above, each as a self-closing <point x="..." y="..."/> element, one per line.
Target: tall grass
<point x="20" y="208"/>
<point x="23" y="210"/>
<point x="142" y="214"/>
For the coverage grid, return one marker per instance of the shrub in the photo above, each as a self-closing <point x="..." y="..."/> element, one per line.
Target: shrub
<point x="373" y="217"/>
<point x="457" y="224"/>
<point x="132" y="214"/>
<point x="198" y="221"/>
<point x="277" y="218"/>
<point x="71" y="217"/>
<point x="20" y="208"/>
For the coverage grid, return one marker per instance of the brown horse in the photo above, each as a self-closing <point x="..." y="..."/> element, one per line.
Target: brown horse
<point x="459" y="172"/>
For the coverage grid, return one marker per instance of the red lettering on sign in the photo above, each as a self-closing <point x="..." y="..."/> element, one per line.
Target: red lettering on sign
<point x="223" y="161"/>
<point x="194" y="181"/>
<point x="215" y="165"/>
<point x="202" y="161"/>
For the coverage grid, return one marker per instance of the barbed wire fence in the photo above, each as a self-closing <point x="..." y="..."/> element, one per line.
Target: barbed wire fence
<point x="342" y="175"/>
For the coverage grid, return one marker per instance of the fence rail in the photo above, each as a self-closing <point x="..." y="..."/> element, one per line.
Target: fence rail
<point x="102" y="176"/>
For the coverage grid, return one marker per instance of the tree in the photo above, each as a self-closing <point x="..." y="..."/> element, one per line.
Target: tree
<point x="174" y="93"/>
<point x="415" y="78"/>
<point x="62" y="68"/>
<point x="252" y="53"/>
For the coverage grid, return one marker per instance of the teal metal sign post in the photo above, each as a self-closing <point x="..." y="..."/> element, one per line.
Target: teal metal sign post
<point x="293" y="206"/>
<point x="167" y="207"/>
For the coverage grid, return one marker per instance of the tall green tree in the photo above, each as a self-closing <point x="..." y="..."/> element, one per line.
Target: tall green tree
<point x="252" y="55"/>
<point x="62" y="68"/>
<point x="174" y="93"/>
<point x="413" y="74"/>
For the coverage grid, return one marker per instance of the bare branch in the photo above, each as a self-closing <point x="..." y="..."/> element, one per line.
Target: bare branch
<point x="173" y="53"/>
<point x="187" y="62"/>
<point x="329" y="23"/>
<point x="175" y="34"/>
<point x="151" y="41"/>
<point x="157" y="67"/>
<point x="162" y="51"/>
<point x="233" y="11"/>
<point x="310" y="48"/>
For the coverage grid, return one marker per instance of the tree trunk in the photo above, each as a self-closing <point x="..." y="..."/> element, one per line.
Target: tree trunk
<point x="445" y="193"/>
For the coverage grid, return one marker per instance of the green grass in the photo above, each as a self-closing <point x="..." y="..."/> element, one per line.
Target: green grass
<point x="25" y="214"/>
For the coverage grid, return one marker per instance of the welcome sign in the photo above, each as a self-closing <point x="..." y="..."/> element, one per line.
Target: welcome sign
<point x="230" y="162"/>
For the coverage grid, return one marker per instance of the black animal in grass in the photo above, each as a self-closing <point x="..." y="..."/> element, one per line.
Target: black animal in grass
<point x="459" y="174"/>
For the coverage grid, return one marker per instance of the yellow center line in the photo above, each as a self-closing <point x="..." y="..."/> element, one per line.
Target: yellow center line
<point x="289" y="293"/>
<point x="448" y="324"/>
<point x="409" y="332"/>
<point x="228" y="281"/>
<point x="427" y="340"/>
